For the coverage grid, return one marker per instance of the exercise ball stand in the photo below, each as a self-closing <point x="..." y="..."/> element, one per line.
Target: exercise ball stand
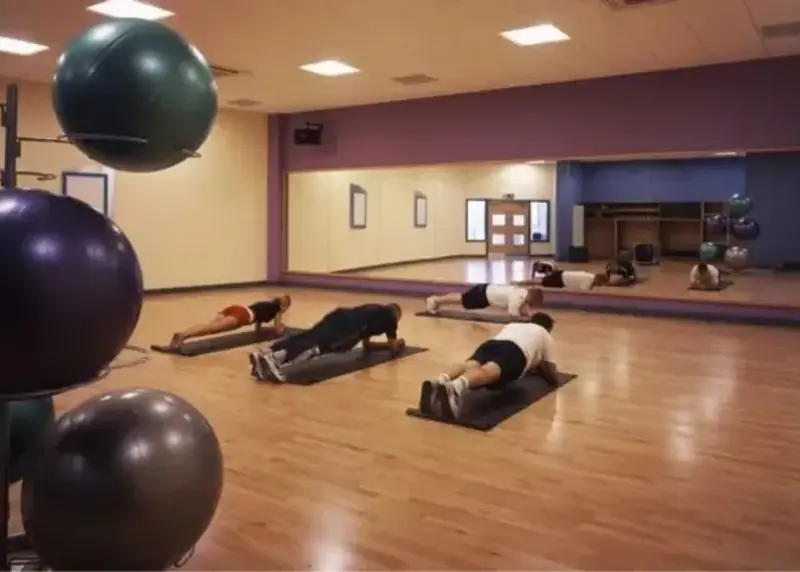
<point x="9" y="119"/>
<point x="15" y="549"/>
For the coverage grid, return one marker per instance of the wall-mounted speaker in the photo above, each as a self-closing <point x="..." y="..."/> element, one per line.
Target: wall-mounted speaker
<point x="311" y="134"/>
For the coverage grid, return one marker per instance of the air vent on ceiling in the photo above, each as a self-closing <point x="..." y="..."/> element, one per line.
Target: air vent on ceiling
<point x="414" y="79"/>
<point x="244" y="102"/>
<point x="219" y="71"/>
<point x="785" y="30"/>
<point x="624" y="4"/>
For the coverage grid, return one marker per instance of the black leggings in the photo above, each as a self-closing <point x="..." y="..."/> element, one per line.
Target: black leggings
<point x="337" y="331"/>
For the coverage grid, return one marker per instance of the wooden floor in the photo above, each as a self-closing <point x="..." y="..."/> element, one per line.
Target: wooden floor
<point x="668" y="280"/>
<point x="676" y="448"/>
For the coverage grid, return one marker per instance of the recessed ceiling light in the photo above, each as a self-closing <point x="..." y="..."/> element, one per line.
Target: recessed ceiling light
<point x="726" y="154"/>
<point x="130" y="9"/>
<point x="535" y="35"/>
<point x="330" y="68"/>
<point x="20" y="47"/>
<point x="536" y="162"/>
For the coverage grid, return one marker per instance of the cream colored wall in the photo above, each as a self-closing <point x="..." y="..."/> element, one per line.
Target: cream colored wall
<point x="320" y="238"/>
<point x="525" y="181"/>
<point x="202" y="222"/>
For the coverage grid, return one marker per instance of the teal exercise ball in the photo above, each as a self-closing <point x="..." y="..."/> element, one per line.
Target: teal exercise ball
<point x="131" y="78"/>
<point x="709" y="252"/>
<point x="740" y="205"/>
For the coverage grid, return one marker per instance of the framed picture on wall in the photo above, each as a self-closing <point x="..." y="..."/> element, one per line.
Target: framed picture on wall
<point x="91" y="188"/>
<point x="420" y="210"/>
<point x="358" y="206"/>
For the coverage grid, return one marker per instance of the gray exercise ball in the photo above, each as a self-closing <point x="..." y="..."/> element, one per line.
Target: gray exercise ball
<point x="126" y="481"/>
<point x="737" y="257"/>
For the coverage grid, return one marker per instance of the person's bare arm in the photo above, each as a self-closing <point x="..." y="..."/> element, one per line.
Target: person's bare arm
<point x="547" y="369"/>
<point x="548" y="372"/>
<point x="278" y="323"/>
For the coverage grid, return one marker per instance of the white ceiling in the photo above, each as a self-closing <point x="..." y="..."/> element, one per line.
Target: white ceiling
<point x="455" y="41"/>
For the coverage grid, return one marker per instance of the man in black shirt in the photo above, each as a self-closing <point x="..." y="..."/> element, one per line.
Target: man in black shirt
<point x="340" y="330"/>
<point x="234" y="317"/>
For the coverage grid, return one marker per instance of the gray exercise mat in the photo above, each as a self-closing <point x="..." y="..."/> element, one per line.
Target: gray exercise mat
<point x="472" y="316"/>
<point x="224" y="342"/>
<point x="485" y="409"/>
<point x="723" y="284"/>
<point x="334" y="365"/>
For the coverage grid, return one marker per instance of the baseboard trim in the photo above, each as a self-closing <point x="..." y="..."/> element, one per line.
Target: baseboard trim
<point x="209" y="288"/>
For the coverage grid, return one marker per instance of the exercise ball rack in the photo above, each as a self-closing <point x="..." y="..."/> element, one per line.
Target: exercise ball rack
<point x="15" y="550"/>
<point x="9" y="119"/>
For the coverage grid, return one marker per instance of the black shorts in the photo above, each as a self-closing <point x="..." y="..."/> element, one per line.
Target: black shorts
<point x="554" y="280"/>
<point x="475" y="298"/>
<point x="508" y="356"/>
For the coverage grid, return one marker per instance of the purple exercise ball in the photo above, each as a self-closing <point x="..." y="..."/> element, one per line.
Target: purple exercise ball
<point x="70" y="296"/>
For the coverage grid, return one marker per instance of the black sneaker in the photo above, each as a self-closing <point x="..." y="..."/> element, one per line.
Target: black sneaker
<point x="426" y="398"/>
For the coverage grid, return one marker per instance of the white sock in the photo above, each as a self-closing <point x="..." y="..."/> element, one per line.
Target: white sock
<point x="460" y="384"/>
<point x="443" y="377"/>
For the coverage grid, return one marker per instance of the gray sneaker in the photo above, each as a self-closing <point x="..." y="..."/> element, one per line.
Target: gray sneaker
<point x="258" y="366"/>
<point x="269" y="359"/>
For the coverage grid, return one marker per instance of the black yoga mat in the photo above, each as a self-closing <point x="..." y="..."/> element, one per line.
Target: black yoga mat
<point x="485" y="409"/>
<point x="472" y="316"/>
<point x="722" y="285"/>
<point x="224" y="342"/>
<point x="337" y="364"/>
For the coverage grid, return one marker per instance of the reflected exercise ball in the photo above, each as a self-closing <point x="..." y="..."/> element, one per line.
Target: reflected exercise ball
<point x="745" y="229"/>
<point x="70" y="296"/>
<point x="709" y="252"/>
<point x="716" y="224"/>
<point x="737" y="258"/>
<point x="28" y="423"/>
<point x="134" y="78"/>
<point x="126" y="481"/>
<point x="740" y="205"/>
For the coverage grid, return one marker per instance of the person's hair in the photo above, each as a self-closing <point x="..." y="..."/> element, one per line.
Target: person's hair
<point x="543" y="320"/>
<point x="284" y="300"/>
<point x="702" y="267"/>
<point x="398" y="311"/>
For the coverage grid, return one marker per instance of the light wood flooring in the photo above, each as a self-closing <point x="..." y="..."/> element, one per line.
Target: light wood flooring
<point x="676" y="448"/>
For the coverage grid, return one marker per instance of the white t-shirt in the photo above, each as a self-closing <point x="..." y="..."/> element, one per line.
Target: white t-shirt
<point x="534" y="341"/>
<point x="577" y="280"/>
<point x="506" y="296"/>
<point x="713" y="272"/>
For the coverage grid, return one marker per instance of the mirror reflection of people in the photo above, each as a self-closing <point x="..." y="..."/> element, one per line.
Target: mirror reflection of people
<point x="577" y="280"/>
<point x="704" y="276"/>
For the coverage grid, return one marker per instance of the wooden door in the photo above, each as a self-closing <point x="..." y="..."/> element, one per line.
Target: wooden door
<point x="508" y="228"/>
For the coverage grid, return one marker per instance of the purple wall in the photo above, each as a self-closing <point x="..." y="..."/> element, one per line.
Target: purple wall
<point x="750" y="105"/>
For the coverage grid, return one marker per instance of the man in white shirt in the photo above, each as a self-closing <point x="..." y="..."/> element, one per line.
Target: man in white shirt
<point x="704" y="276"/>
<point x="517" y="301"/>
<point x="517" y="349"/>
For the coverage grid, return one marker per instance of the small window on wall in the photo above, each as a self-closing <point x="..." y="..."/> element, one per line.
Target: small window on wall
<point x="540" y="221"/>
<point x="476" y="220"/>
